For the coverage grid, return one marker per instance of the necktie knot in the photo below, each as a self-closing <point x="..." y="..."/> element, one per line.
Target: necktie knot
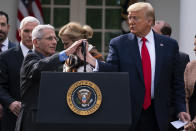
<point x="30" y="51"/>
<point x="144" y="39"/>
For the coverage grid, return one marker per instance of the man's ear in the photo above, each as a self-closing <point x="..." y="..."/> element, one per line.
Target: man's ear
<point x="19" y="32"/>
<point x="35" y="43"/>
<point x="150" y="22"/>
<point x="8" y="26"/>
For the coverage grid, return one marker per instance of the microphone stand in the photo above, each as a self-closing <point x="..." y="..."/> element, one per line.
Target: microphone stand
<point x="84" y="54"/>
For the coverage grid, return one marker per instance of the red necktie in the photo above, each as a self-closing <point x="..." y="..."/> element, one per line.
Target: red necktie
<point x="146" y="66"/>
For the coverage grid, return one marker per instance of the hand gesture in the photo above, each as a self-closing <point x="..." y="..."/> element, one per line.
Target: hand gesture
<point x="89" y="58"/>
<point x="72" y="49"/>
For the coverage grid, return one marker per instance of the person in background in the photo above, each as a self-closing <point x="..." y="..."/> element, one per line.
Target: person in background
<point x="5" y="44"/>
<point x="190" y="88"/>
<point x="163" y="28"/>
<point x="70" y="33"/>
<point x="152" y="72"/>
<point x="11" y="61"/>
<point x="43" y="58"/>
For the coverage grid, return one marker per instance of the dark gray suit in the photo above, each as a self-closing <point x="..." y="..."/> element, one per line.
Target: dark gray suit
<point x="33" y="64"/>
<point x="10" y="63"/>
<point x="184" y="59"/>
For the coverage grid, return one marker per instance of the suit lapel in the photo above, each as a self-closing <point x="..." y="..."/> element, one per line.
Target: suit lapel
<point x="9" y="45"/>
<point x="158" y="52"/>
<point x="18" y="54"/>
<point x="134" y="49"/>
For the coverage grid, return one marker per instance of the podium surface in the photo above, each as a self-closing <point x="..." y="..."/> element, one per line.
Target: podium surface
<point x="114" y="112"/>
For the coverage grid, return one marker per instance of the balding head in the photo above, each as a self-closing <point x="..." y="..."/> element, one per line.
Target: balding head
<point x="162" y="27"/>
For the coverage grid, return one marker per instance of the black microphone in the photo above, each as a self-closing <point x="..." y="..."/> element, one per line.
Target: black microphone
<point x="84" y="53"/>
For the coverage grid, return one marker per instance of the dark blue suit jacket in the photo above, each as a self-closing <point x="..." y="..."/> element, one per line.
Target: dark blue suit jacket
<point x="10" y="45"/>
<point x="124" y="56"/>
<point x="10" y="64"/>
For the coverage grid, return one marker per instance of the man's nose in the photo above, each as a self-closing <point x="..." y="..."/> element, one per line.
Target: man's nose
<point x="131" y="21"/>
<point x="29" y="34"/>
<point x="54" y="41"/>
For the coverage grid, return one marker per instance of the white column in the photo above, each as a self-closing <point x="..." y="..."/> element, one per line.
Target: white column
<point x="187" y="27"/>
<point x="78" y="11"/>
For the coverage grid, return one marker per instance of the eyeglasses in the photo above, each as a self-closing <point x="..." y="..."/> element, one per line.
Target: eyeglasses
<point x="50" y="38"/>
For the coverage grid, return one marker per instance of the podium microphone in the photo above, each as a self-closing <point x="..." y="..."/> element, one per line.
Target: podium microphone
<point x="84" y="54"/>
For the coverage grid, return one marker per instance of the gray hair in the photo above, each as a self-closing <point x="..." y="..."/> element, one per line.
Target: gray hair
<point x="38" y="31"/>
<point x="28" y="19"/>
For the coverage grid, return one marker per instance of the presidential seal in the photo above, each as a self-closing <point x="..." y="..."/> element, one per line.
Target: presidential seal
<point x="84" y="97"/>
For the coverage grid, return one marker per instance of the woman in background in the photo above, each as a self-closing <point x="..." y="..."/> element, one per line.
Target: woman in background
<point x="70" y="33"/>
<point x="190" y="88"/>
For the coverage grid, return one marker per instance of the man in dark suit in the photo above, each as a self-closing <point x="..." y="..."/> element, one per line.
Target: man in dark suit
<point x="11" y="61"/>
<point x="43" y="58"/>
<point x="163" y="28"/>
<point x="5" y="44"/>
<point x="152" y="62"/>
<point x="4" y="29"/>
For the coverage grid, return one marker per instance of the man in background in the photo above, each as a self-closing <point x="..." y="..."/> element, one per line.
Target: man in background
<point x="4" y="29"/>
<point x="163" y="28"/>
<point x="5" y="44"/>
<point x="11" y="61"/>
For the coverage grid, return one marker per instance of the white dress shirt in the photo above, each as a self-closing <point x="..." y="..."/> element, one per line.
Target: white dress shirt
<point x="24" y="49"/>
<point x="150" y="44"/>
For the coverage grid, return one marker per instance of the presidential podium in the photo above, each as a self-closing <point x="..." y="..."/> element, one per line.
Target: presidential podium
<point x="113" y="113"/>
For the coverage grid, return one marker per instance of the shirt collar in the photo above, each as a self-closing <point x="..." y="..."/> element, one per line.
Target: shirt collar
<point x="24" y="49"/>
<point x="5" y="43"/>
<point x="149" y="36"/>
<point x="38" y="53"/>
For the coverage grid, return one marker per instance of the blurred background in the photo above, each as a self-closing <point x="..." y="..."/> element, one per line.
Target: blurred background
<point x="106" y="17"/>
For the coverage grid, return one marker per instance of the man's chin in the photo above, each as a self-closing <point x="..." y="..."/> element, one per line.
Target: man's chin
<point x="52" y="52"/>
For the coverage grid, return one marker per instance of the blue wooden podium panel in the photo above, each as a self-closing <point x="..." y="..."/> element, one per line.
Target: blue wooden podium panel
<point x="115" y="109"/>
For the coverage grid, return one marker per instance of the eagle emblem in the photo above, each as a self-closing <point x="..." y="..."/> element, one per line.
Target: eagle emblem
<point x="84" y="97"/>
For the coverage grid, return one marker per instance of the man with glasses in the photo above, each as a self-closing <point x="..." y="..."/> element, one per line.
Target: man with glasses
<point x="43" y="58"/>
<point x="11" y="62"/>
